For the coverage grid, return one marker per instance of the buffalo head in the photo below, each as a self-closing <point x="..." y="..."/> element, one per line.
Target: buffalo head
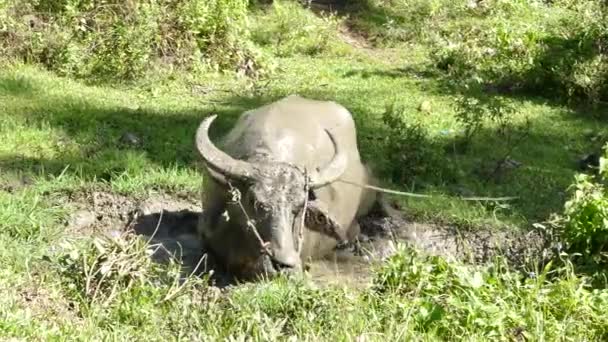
<point x="266" y="217"/>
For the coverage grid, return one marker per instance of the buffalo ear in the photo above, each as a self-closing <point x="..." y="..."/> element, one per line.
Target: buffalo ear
<point x="319" y="220"/>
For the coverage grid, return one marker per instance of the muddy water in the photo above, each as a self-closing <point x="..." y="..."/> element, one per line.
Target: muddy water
<point x="354" y="265"/>
<point x="350" y="266"/>
<point x="173" y="223"/>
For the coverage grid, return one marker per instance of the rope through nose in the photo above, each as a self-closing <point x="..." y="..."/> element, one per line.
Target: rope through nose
<point x="236" y="198"/>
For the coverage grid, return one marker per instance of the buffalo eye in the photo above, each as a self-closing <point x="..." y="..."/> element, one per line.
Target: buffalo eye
<point x="311" y="195"/>
<point x="251" y="200"/>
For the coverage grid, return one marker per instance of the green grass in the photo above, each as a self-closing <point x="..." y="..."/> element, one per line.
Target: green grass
<point x="54" y="126"/>
<point x="412" y="297"/>
<point x="61" y="136"/>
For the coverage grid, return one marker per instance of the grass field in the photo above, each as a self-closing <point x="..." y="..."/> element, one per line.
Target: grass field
<point x="64" y="137"/>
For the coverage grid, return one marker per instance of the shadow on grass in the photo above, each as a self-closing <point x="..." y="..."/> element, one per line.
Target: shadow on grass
<point x="164" y="136"/>
<point x="167" y="140"/>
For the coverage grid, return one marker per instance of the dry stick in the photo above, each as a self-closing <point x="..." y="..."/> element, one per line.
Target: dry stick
<point x="113" y="292"/>
<point x="87" y="275"/>
<point x="160" y="218"/>
<point x="410" y="194"/>
<point x="114" y="287"/>
<point x="104" y="276"/>
<point x="158" y="245"/>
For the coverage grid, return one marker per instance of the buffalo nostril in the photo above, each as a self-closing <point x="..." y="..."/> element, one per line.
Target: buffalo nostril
<point x="280" y="266"/>
<point x="291" y="260"/>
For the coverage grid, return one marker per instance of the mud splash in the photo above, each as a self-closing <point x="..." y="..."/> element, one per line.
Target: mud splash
<point x="171" y="222"/>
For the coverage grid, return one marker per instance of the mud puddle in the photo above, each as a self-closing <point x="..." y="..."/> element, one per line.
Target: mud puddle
<point x="172" y="223"/>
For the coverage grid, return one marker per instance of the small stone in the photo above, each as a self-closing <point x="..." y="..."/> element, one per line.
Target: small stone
<point x="130" y="139"/>
<point x="82" y="219"/>
<point x="425" y="107"/>
<point x="363" y="238"/>
<point x="511" y="163"/>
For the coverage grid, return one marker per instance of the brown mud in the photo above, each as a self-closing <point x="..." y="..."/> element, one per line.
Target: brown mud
<point x="171" y="222"/>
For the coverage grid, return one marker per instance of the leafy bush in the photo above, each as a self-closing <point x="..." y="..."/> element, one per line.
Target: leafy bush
<point x="101" y="270"/>
<point x="474" y="109"/>
<point x="531" y="46"/>
<point x="408" y="150"/>
<point x="289" y="29"/>
<point x="584" y="226"/>
<point x="121" y="40"/>
<point x="389" y="22"/>
<point x="471" y="112"/>
<point x="453" y="300"/>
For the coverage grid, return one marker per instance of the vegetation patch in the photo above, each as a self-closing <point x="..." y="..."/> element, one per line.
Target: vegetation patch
<point x="444" y="95"/>
<point x="120" y="40"/>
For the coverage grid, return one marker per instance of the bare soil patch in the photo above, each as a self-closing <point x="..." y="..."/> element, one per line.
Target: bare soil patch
<point x="106" y="212"/>
<point x="354" y="38"/>
<point x="464" y="245"/>
<point x="166" y="220"/>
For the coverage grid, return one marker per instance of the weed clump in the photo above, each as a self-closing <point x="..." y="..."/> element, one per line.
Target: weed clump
<point x="410" y="153"/>
<point x="102" y="270"/>
<point x="583" y="226"/>
<point x="531" y="46"/>
<point x="450" y="300"/>
<point x="121" y="40"/>
<point x="288" y="29"/>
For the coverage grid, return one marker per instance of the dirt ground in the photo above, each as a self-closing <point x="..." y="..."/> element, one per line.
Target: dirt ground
<point x="172" y="223"/>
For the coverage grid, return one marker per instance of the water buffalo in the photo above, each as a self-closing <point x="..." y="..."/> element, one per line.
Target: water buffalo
<point x="281" y="158"/>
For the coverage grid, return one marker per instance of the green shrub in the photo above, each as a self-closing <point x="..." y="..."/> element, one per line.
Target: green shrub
<point x="453" y="300"/>
<point x="409" y="151"/>
<point x="289" y="29"/>
<point x="388" y="22"/>
<point x="123" y="39"/>
<point x="474" y="110"/>
<point x="532" y="46"/>
<point x="585" y="220"/>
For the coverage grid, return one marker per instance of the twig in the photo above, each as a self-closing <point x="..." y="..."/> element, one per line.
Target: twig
<point x="174" y="293"/>
<point x="160" y="218"/>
